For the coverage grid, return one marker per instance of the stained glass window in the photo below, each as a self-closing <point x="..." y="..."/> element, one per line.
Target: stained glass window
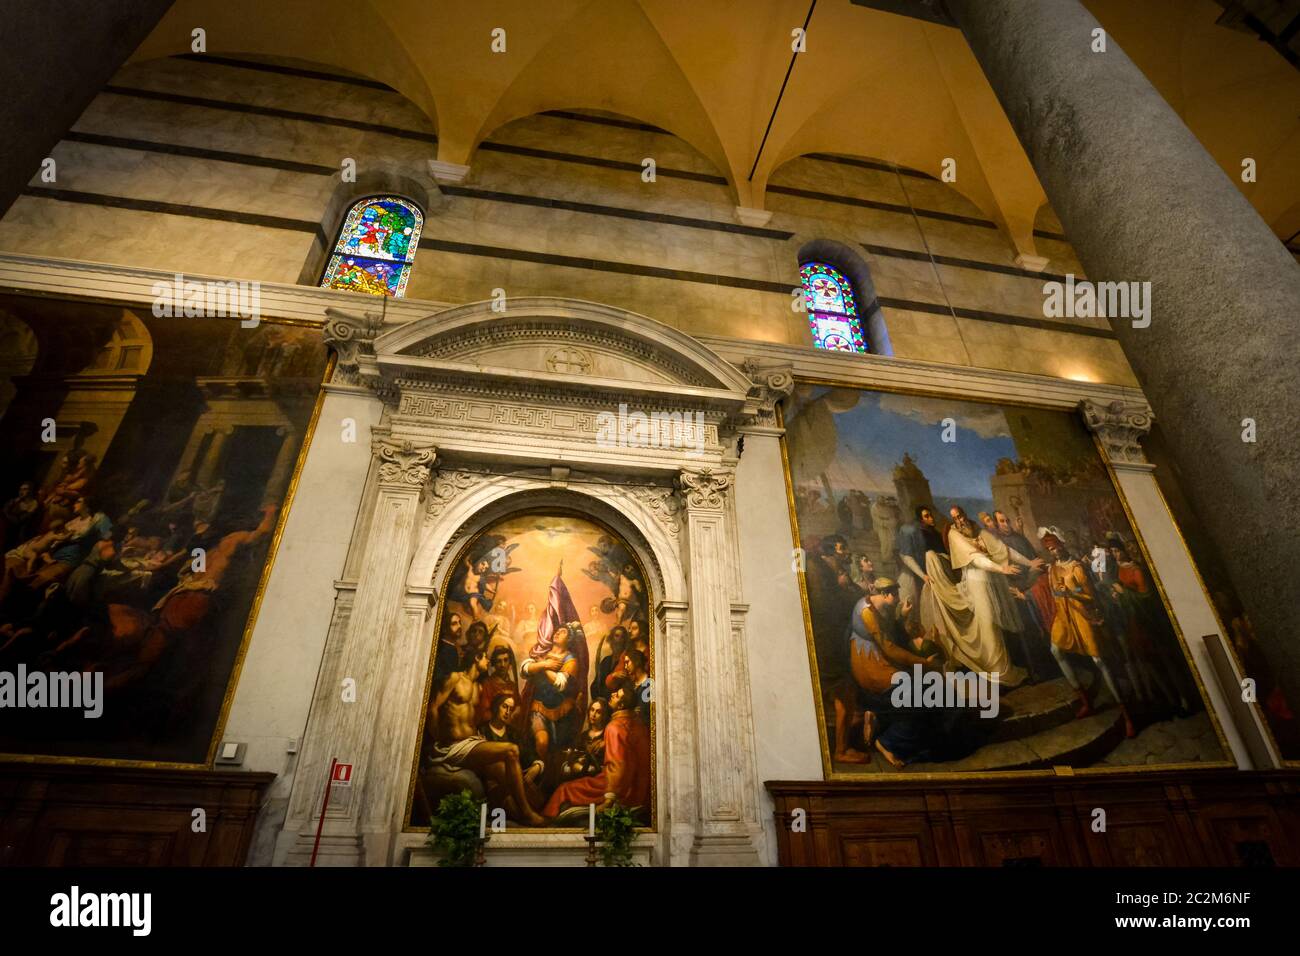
<point x="832" y="313"/>
<point x="376" y="247"/>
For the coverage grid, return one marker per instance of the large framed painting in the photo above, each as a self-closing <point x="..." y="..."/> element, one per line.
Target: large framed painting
<point x="976" y="595"/>
<point x="539" y="696"/>
<point x="149" y="462"/>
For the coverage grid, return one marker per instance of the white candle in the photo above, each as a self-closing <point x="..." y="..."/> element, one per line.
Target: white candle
<point x="591" y="819"/>
<point x="482" y="822"/>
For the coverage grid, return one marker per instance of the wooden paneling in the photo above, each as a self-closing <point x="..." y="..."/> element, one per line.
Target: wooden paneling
<point x="57" y="815"/>
<point x="1164" y="818"/>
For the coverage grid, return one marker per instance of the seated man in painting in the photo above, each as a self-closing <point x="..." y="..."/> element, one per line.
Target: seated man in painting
<point x="499" y="728"/>
<point x="626" y="774"/>
<point x="456" y="744"/>
<point x="24" y="560"/>
<point x="902" y="734"/>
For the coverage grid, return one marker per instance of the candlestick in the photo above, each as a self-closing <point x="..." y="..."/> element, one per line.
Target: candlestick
<point x="482" y="821"/>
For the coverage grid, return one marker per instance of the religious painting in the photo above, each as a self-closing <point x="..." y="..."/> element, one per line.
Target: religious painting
<point x="976" y="595"/>
<point x="540" y="687"/>
<point x="148" y="462"/>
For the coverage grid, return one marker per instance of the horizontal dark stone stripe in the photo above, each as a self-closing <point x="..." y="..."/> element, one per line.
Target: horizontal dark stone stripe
<point x="523" y="255"/>
<point x="531" y="152"/>
<point x="176" y="209"/>
<point x="537" y="201"/>
<point x="619" y="212"/>
<point x="603" y="265"/>
<point x="285" y="70"/>
<point x="270" y="111"/>
<point x="868" y="164"/>
<point x="1002" y="318"/>
<point x="877" y="204"/>
<point x="738" y="282"/>
<point x="535" y="153"/>
<point x="193" y="152"/>
<point x="607" y="121"/>
<point x="1044" y="234"/>
<point x="960" y="263"/>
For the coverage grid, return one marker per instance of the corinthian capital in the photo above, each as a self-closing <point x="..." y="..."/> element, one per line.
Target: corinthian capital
<point x="1119" y="426"/>
<point x="705" y="488"/>
<point x="350" y="336"/>
<point x="772" y="383"/>
<point x="403" y="462"/>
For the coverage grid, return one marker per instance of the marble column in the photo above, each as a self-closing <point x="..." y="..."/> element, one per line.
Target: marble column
<point x="1141" y="200"/>
<point x="727" y="807"/>
<point x="344" y="723"/>
<point x="65" y="52"/>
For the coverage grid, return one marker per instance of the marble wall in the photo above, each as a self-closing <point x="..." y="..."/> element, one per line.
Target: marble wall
<point x="194" y="165"/>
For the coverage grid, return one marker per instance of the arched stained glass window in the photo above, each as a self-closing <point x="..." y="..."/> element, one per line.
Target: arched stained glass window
<point x="832" y="312"/>
<point x="375" y="247"/>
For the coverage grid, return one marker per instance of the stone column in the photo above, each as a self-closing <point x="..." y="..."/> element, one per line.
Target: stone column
<point x="343" y="725"/>
<point x="282" y="470"/>
<point x="65" y="51"/>
<point x="1119" y="427"/>
<point x="728" y="814"/>
<point x="207" y="470"/>
<point x="1141" y="200"/>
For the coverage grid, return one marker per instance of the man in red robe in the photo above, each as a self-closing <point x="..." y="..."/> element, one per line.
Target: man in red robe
<point x="626" y="776"/>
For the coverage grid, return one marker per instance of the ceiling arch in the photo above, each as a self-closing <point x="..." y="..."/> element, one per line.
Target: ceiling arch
<point x="869" y="83"/>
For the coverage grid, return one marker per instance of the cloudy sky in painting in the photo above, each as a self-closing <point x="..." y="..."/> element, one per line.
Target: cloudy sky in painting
<point x="874" y="435"/>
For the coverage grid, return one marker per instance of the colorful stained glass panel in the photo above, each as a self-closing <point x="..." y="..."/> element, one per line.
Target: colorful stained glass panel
<point x="832" y="312"/>
<point x="375" y="247"/>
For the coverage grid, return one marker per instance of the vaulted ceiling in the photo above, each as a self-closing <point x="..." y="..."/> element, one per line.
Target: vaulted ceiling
<point x="870" y="84"/>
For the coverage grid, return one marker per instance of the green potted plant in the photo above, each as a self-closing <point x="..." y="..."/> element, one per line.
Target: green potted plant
<point x="454" y="829"/>
<point x="615" y="829"/>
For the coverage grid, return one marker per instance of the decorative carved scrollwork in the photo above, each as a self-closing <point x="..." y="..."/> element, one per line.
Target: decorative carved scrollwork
<point x="705" y="488"/>
<point x="663" y="503"/>
<point x="772" y="383"/>
<point x="450" y="484"/>
<point x="350" y="336"/>
<point x="403" y="462"/>
<point x="1120" y="427"/>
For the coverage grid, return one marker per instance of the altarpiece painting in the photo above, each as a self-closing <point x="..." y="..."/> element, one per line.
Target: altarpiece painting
<point x="540" y="685"/>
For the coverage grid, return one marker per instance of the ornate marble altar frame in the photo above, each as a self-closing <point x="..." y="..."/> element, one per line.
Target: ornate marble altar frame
<point x="488" y="414"/>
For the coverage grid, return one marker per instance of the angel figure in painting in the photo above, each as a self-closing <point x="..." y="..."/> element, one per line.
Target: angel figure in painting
<point x="614" y="568"/>
<point x="476" y="586"/>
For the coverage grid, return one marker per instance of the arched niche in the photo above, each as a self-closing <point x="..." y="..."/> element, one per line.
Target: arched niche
<point x="524" y="543"/>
